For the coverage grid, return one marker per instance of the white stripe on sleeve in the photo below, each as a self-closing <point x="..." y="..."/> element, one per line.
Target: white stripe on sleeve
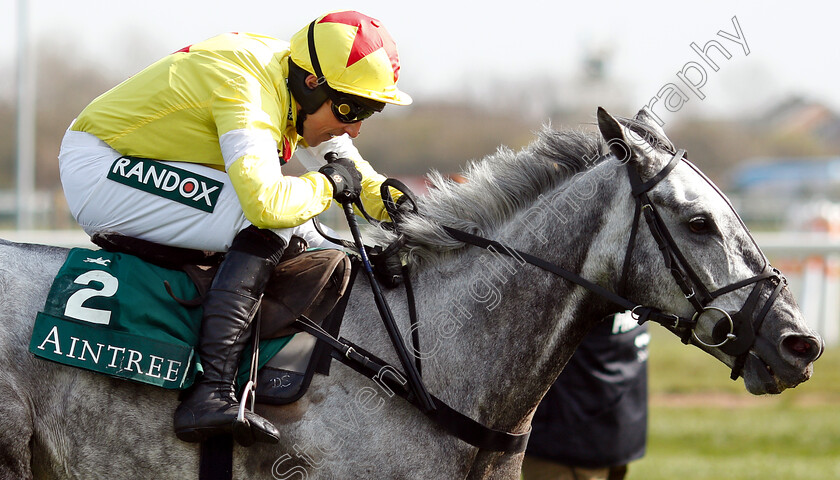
<point x="237" y="143"/>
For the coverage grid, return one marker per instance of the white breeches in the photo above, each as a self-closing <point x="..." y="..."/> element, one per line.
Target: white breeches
<point x="100" y="204"/>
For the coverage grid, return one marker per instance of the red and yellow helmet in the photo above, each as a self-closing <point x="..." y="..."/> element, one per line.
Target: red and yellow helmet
<point x="353" y="53"/>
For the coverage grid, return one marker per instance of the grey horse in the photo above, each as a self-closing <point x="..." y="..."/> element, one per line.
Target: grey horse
<point x="494" y="332"/>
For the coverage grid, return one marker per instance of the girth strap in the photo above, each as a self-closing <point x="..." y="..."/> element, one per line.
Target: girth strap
<point x="216" y="458"/>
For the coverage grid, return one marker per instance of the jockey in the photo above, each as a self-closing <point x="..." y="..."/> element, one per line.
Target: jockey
<point x="220" y="118"/>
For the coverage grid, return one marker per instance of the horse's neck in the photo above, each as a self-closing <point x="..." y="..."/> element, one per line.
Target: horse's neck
<point x="495" y="332"/>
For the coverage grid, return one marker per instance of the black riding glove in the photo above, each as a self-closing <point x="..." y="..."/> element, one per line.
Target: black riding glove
<point x="346" y="180"/>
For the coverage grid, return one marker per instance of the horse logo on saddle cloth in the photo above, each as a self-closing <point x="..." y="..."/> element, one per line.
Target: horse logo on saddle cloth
<point x="133" y="310"/>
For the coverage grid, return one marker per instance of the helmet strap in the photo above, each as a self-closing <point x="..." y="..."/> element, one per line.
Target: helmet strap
<point x="313" y="55"/>
<point x="310" y="99"/>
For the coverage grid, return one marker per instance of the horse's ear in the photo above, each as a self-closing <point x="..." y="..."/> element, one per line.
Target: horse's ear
<point x="644" y="116"/>
<point x="613" y="134"/>
<point x="629" y="147"/>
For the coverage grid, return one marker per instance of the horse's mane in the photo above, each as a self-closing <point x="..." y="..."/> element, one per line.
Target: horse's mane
<point x="499" y="185"/>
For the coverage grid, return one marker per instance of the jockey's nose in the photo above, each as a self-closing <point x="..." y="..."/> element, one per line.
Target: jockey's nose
<point x="353" y="129"/>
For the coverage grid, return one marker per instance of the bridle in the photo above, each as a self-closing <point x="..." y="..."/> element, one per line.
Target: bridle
<point x="734" y="333"/>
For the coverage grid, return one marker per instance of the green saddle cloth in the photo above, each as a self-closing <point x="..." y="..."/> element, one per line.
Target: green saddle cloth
<point x="110" y="313"/>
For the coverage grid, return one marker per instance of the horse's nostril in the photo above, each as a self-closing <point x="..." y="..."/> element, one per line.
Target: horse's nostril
<point x="802" y="347"/>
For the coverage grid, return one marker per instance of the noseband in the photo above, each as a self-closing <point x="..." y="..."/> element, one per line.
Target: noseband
<point x="734" y="332"/>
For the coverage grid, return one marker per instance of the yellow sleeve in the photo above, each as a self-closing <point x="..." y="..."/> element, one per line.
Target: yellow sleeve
<point x="251" y="127"/>
<point x="272" y="200"/>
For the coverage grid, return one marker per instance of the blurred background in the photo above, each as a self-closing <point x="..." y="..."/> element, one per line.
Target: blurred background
<point x="758" y="111"/>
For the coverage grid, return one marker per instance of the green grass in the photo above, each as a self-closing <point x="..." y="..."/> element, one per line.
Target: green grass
<point x="704" y="426"/>
<point x="745" y="443"/>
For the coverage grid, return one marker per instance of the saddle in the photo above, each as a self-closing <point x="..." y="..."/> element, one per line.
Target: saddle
<point x="305" y="283"/>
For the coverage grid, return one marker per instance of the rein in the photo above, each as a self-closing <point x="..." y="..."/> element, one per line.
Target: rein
<point x="640" y="312"/>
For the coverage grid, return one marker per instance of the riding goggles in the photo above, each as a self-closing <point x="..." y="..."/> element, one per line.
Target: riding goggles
<point x="351" y="109"/>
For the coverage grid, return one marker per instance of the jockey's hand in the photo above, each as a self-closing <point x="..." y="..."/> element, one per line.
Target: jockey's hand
<point x="346" y="180"/>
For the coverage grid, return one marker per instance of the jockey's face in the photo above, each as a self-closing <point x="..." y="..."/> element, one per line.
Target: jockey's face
<point x="323" y="124"/>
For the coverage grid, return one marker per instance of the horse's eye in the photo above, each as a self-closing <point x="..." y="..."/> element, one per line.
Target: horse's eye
<point x="699" y="224"/>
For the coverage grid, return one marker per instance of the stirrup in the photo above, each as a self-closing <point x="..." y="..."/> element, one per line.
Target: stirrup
<point x="242" y="432"/>
<point x="248" y="395"/>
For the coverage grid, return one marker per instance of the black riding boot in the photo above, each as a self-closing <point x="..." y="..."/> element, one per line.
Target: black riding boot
<point x="211" y="408"/>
